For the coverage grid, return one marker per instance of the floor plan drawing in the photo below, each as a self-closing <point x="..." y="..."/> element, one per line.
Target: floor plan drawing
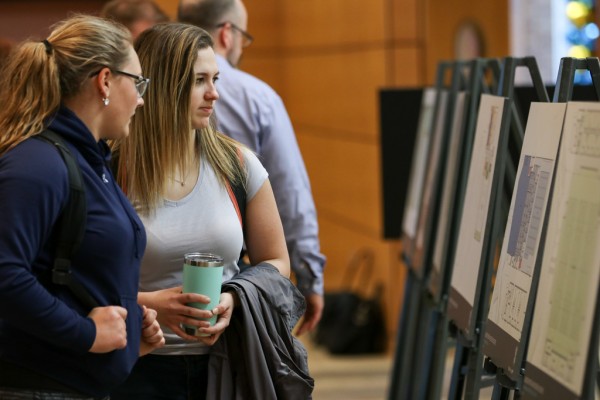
<point x="566" y="299"/>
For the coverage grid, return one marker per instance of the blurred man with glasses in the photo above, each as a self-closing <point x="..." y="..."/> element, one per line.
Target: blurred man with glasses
<point x="251" y="112"/>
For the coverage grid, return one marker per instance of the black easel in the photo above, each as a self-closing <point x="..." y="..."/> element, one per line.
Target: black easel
<point x="483" y="78"/>
<point x="427" y="315"/>
<point x="401" y="379"/>
<point x="535" y="382"/>
<point x="469" y="322"/>
<point x="507" y="379"/>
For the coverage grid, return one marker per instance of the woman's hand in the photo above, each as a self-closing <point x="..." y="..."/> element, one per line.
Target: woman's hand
<point x="173" y="311"/>
<point x="223" y="311"/>
<point x="111" y="332"/>
<point x="152" y="335"/>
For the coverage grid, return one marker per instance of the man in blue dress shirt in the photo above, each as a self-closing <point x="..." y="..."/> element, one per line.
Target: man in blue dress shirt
<point x="251" y="112"/>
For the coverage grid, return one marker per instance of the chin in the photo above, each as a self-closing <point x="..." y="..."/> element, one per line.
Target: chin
<point x="200" y="124"/>
<point x="117" y="135"/>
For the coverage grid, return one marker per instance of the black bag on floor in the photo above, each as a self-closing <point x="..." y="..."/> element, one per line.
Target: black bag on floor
<point x="353" y="323"/>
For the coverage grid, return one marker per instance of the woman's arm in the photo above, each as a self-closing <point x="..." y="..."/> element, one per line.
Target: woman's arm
<point x="265" y="240"/>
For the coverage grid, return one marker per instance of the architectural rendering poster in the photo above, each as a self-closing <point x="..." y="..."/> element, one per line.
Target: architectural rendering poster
<point x="568" y="287"/>
<point x="429" y="184"/>
<point x="522" y="234"/>
<point x="469" y="247"/>
<point x="449" y="183"/>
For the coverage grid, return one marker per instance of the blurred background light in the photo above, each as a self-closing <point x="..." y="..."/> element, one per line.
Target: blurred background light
<point x="581" y="34"/>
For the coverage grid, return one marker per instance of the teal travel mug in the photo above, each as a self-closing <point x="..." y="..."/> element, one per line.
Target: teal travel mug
<point x="203" y="273"/>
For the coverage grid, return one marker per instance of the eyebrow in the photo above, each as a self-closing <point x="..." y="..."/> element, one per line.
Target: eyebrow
<point x="206" y="73"/>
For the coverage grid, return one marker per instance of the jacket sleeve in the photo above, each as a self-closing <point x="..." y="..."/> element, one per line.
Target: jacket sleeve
<point x="257" y="356"/>
<point x="34" y="186"/>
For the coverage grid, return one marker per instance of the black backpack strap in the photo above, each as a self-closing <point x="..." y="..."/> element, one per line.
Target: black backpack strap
<point x="237" y="194"/>
<point x="71" y="223"/>
<point x="240" y="192"/>
<point x="240" y="196"/>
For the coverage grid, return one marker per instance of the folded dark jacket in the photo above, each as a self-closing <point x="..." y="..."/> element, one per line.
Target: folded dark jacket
<point x="257" y="357"/>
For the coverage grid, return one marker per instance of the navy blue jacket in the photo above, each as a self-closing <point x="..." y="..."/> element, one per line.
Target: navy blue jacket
<point x="43" y="327"/>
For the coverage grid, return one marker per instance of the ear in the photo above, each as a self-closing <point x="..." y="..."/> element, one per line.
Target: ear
<point x="103" y="82"/>
<point x="223" y="38"/>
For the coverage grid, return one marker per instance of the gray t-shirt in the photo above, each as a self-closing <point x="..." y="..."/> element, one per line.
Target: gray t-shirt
<point x="203" y="221"/>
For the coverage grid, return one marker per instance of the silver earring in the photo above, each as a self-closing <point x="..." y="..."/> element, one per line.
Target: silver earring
<point x="105" y="101"/>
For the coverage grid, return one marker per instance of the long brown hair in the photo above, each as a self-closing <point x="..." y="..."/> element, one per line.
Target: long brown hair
<point x="160" y="139"/>
<point x="38" y="75"/>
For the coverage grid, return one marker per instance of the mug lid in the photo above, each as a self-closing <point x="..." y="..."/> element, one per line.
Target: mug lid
<point x="203" y="259"/>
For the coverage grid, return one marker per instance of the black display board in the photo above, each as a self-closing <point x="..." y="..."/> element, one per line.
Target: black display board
<point x="399" y="110"/>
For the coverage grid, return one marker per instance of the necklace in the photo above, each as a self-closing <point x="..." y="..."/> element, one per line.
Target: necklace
<point x="181" y="181"/>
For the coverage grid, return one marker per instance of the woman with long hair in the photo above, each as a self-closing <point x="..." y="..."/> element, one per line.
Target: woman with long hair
<point x="178" y="172"/>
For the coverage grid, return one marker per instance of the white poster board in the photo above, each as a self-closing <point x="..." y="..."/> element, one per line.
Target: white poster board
<point x="419" y="163"/>
<point x="449" y="187"/>
<point x="568" y="286"/>
<point x="430" y="182"/>
<point x="518" y="256"/>
<point x="474" y="220"/>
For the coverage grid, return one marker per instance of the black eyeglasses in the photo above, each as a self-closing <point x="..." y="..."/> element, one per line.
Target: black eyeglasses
<point x="248" y="38"/>
<point x="141" y="83"/>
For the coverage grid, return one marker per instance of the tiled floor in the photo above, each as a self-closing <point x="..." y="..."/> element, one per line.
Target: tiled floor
<point x="359" y="377"/>
<point x="348" y="377"/>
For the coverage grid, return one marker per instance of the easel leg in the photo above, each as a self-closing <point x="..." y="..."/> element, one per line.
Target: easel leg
<point x="474" y="373"/>
<point x="457" y="379"/>
<point x="440" y="353"/>
<point x="424" y="351"/>
<point x="401" y="384"/>
<point x="500" y="392"/>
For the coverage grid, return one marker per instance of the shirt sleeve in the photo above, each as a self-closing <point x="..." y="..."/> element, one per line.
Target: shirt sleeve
<point x="280" y="154"/>
<point x="257" y="174"/>
<point x="34" y="189"/>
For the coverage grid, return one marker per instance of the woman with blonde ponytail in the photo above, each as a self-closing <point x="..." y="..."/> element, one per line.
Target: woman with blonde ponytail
<point x="83" y="83"/>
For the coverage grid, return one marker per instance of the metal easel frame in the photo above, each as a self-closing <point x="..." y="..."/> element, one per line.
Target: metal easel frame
<point x="402" y="371"/>
<point x="563" y="92"/>
<point x="505" y="383"/>
<point x="468" y="366"/>
<point x="440" y="326"/>
<point x="423" y="357"/>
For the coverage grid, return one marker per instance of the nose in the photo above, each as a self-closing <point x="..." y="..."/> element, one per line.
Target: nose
<point x="212" y="93"/>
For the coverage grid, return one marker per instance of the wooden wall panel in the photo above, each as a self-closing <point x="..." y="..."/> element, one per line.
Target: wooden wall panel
<point x="342" y="243"/>
<point x="340" y="252"/>
<point x="345" y="180"/>
<point x="406" y="68"/>
<point x="336" y="92"/>
<point x="444" y="18"/>
<point x="265" y="66"/>
<point x="404" y="15"/>
<point x="265" y="23"/>
<point x="339" y="23"/>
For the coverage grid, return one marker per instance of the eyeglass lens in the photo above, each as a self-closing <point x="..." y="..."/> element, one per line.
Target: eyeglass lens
<point x="141" y="86"/>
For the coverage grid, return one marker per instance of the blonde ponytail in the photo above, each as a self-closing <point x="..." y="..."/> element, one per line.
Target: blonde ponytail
<point x="39" y="75"/>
